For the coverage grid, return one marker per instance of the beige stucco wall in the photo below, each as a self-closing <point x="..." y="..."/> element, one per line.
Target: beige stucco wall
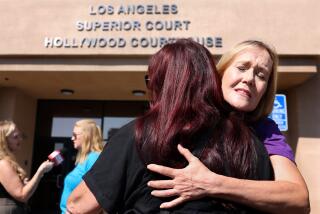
<point x="285" y="24"/>
<point x="7" y="103"/>
<point x="304" y="134"/>
<point x="20" y="108"/>
<point x="307" y="157"/>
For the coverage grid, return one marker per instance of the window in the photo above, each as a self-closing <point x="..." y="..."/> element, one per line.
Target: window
<point x="112" y="124"/>
<point x="63" y="126"/>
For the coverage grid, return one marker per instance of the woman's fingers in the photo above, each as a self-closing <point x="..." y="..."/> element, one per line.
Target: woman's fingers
<point x="163" y="170"/>
<point x="46" y="166"/>
<point x="161" y="184"/>
<point x="186" y="153"/>
<point x="172" y="203"/>
<point x="171" y="172"/>
<point x="164" y="193"/>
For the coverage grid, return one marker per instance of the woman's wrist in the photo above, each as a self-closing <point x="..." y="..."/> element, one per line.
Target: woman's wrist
<point x="40" y="173"/>
<point x="214" y="184"/>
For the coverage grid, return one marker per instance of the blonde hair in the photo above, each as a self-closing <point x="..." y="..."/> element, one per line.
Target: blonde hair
<point x="6" y="128"/>
<point x="92" y="139"/>
<point x="265" y="105"/>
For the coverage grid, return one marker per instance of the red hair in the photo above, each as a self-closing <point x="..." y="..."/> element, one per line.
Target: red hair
<point x="187" y="105"/>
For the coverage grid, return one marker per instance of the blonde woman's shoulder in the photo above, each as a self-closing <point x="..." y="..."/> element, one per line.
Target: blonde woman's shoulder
<point x="4" y="162"/>
<point x="6" y="169"/>
<point x="9" y="177"/>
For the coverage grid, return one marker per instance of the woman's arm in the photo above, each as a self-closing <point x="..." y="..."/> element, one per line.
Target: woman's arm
<point x="82" y="200"/>
<point x="13" y="184"/>
<point x="287" y="194"/>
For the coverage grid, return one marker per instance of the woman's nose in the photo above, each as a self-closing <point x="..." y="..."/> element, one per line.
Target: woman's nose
<point x="248" y="77"/>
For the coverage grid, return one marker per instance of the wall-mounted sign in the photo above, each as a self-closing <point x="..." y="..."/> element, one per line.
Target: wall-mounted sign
<point x="105" y="22"/>
<point x="279" y="112"/>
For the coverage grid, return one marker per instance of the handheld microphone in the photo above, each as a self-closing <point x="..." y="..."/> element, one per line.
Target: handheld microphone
<point x="56" y="157"/>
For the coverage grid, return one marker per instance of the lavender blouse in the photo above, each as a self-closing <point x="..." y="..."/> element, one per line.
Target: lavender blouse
<point x="275" y="143"/>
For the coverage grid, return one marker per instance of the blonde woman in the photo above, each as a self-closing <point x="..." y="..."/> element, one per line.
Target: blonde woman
<point x="15" y="188"/>
<point x="87" y="139"/>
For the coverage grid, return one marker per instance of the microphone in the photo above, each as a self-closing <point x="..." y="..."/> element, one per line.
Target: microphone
<point x="56" y="157"/>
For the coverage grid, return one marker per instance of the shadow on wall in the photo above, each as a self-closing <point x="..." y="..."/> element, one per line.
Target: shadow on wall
<point x="304" y="110"/>
<point x="304" y="133"/>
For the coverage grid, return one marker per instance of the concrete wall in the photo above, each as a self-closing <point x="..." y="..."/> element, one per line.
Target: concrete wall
<point x="25" y="25"/>
<point x="304" y="134"/>
<point x="20" y="108"/>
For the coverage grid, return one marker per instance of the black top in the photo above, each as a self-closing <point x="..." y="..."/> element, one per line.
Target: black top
<point x="5" y="194"/>
<point x="119" y="179"/>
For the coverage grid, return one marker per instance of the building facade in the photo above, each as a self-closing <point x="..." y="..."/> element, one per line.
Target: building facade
<point x="97" y="52"/>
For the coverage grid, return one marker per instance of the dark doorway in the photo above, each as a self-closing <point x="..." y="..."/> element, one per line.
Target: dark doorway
<point x="53" y="124"/>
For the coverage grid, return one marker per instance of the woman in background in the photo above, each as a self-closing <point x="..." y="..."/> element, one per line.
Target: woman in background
<point x="15" y="188"/>
<point x="87" y="139"/>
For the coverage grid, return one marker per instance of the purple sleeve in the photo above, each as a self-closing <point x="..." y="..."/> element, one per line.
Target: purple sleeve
<point x="275" y="143"/>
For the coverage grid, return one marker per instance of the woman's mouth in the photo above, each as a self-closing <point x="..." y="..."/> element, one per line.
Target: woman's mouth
<point x="243" y="92"/>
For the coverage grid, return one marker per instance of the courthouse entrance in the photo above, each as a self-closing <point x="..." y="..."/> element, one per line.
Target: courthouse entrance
<point x="54" y="124"/>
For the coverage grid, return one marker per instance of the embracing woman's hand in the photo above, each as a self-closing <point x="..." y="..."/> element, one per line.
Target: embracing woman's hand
<point x="189" y="183"/>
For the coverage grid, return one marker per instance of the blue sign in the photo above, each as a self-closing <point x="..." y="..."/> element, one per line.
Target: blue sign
<point x="279" y="112"/>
